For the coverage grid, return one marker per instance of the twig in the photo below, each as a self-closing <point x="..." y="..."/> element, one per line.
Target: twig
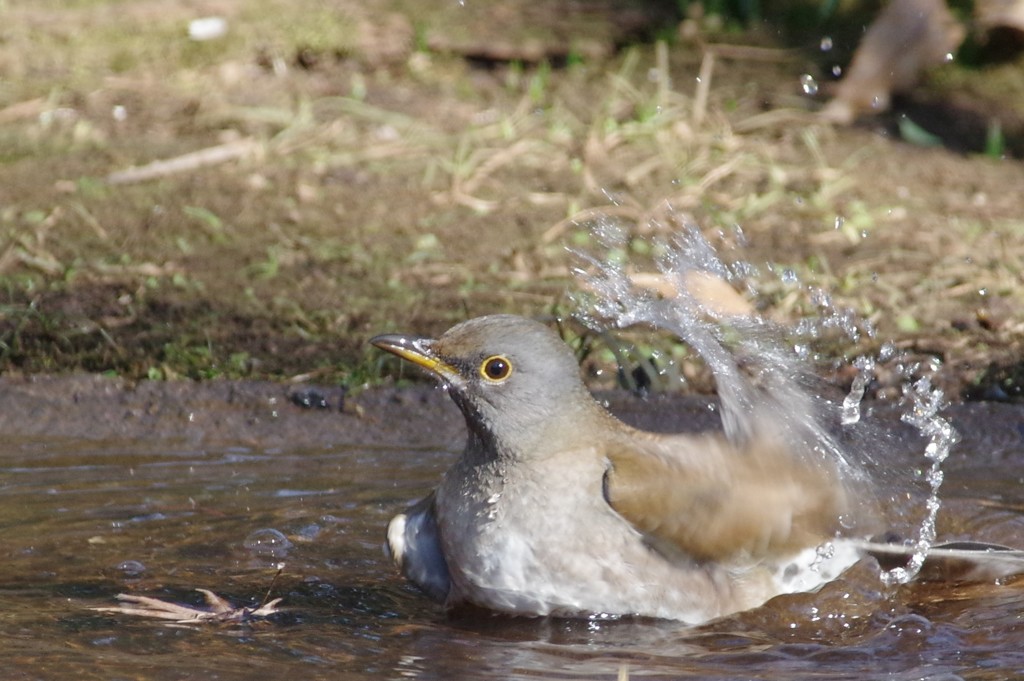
<point x="719" y="172"/>
<point x="488" y="166"/>
<point x="90" y="220"/>
<point x="27" y="109"/>
<point x="664" y="79"/>
<point x="217" y="610"/>
<point x="700" y="97"/>
<point x="186" y="162"/>
<point x="773" y="118"/>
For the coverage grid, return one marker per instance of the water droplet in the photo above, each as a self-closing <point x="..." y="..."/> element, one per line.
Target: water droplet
<point x="839" y="221"/>
<point x="268" y="543"/>
<point x="808" y="84"/>
<point x="848" y="521"/>
<point x="837" y="70"/>
<point x="851" y="403"/>
<point x="131" y="568"/>
<point x="982" y="291"/>
<point x="826" y="43"/>
<point x="789" y="276"/>
<point x="821" y="298"/>
<point x="948" y="58"/>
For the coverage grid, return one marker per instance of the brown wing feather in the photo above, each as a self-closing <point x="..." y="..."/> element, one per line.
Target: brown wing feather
<point x="709" y="500"/>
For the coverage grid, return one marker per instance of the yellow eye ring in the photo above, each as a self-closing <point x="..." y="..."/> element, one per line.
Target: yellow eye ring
<point x="496" y="368"/>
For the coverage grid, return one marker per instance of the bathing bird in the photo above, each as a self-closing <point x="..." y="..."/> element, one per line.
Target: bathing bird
<point x="555" y="507"/>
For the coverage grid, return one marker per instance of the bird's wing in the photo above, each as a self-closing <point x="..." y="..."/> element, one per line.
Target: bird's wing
<point x="414" y="544"/>
<point x="702" y="498"/>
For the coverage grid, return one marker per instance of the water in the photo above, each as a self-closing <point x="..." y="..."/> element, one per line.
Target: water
<point x="75" y="511"/>
<point x="808" y="84"/>
<point x="925" y="404"/>
<point x="851" y="403"/>
<point x="166" y="488"/>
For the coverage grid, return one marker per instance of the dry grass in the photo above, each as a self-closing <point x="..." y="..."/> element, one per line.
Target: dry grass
<point x="347" y="196"/>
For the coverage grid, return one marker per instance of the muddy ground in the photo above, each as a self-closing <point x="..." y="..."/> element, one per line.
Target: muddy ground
<point x="406" y="166"/>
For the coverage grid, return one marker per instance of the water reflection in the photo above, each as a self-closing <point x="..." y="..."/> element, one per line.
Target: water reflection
<point x="77" y="515"/>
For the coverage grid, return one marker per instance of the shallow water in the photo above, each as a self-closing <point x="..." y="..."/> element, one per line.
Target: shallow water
<point x="83" y="520"/>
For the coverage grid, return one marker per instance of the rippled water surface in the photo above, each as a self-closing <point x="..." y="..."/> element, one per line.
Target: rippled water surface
<point x="84" y="520"/>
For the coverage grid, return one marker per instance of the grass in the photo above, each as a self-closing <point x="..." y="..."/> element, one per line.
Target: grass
<point x="410" y="196"/>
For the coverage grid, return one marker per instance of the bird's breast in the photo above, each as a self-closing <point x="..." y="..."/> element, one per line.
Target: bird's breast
<point x="528" y="540"/>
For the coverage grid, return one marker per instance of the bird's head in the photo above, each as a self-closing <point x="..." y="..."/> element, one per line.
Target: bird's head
<point x="513" y="378"/>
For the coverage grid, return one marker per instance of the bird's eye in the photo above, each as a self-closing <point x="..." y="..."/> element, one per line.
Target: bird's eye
<point x="496" y="368"/>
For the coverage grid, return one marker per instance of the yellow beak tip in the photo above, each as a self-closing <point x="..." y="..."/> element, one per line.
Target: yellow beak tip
<point x="417" y="350"/>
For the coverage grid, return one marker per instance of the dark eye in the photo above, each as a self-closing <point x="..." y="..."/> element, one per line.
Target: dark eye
<point x="496" y="368"/>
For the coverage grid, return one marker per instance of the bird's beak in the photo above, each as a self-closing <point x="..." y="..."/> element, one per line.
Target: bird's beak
<point x="418" y="351"/>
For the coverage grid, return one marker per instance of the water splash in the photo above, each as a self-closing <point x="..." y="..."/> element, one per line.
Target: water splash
<point x="851" y="403"/>
<point x="760" y="382"/>
<point x="925" y="402"/>
<point x="759" y="377"/>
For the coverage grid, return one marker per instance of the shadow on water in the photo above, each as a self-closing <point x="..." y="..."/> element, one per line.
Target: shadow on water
<point x="86" y="519"/>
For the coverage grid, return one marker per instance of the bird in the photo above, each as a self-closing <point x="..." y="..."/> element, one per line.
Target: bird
<point x="557" y="508"/>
